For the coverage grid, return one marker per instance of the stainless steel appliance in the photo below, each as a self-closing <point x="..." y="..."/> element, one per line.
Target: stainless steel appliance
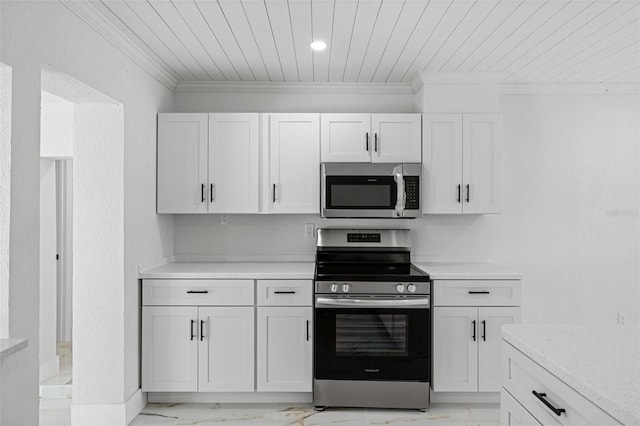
<point x="371" y="190"/>
<point x="372" y="321"/>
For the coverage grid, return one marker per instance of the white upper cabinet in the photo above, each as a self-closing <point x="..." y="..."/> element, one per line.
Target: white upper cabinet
<point x="294" y="163"/>
<point x="208" y="163"/>
<point x="461" y="163"/>
<point x="234" y="146"/>
<point x="182" y="163"/>
<point x="346" y="138"/>
<point x="397" y="138"/>
<point x="377" y="138"/>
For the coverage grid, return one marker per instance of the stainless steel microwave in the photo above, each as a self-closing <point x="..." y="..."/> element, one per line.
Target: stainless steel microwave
<point x="371" y="190"/>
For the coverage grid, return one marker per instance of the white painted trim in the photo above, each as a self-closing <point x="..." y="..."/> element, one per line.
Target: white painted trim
<point x="87" y="12"/>
<point x="108" y="414"/>
<point x="462" y="77"/>
<point x="466" y="397"/>
<point x="570" y="89"/>
<point x="285" y="87"/>
<point x="231" y="397"/>
<point x="135" y="404"/>
<point x="49" y="368"/>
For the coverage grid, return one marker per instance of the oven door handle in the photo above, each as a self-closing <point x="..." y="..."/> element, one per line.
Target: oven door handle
<point x="326" y="302"/>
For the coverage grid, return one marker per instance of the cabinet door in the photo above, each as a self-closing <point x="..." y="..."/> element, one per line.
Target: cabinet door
<point x="397" y="138"/>
<point x="294" y="164"/>
<point x="490" y="338"/>
<point x="233" y="163"/>
<point x="169" y="349"/>
<point x="455" y="350"/>
<point x="285" y="349"/>
<point x="226" y="349"/>
<point x="346" y="138"/>
<point x="442" y="163"/>
<point x="182" y="163"/>
<point x="482" y="134"/>
<point x="514" y="414"/>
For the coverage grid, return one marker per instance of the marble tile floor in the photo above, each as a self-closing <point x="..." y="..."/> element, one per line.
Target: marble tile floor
<point x="304" y="415"/>
<point x="56" y="412"/>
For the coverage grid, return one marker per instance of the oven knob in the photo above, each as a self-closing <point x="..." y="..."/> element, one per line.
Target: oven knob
<point x="411" y="288"/>
<point x="345" y="288"/>
<point x="334" y="287"/>
<point x="400" y="288"/>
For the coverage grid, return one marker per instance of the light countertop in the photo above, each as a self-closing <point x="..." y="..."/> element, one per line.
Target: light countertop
<point x="461" y="271"/>
<point x="232" y="270"/>
<point x="11" y="346"/>
<point x="601" y="362"/>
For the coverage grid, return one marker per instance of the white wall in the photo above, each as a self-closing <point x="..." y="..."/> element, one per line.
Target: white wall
<point x="37" y="33"/>
<point x="5" y="194"/>
<point x="569" y="222"/>
<point x="49" y="364"/>
<point x="315" y="101"/>
<point x="56" y="129"/>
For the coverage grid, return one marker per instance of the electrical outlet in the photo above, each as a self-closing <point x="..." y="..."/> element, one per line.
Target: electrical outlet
<point x="623" y="317"/>
<point x="224" y="219"/>
<point x="309" y="229"/>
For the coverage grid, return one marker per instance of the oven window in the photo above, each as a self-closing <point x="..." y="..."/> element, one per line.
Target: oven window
<point x="371" y="335"/>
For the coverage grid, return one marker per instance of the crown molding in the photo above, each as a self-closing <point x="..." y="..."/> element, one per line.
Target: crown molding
<point x="88" y="12"/>
<point x="462" y="77"/>
<point x="286" y="87"/>
<point x="570" y="89"/>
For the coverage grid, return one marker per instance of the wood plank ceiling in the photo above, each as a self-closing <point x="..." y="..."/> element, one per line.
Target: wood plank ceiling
<point x="384" y="41"/>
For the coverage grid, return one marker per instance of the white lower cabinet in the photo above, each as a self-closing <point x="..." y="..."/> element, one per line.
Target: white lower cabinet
<point x="467" y="337"/>
<point x="200" y="335"/>
<point x="514" y="414"/>
<point x="226" y="348"/>
<point x="190" y="348"/>
<point x="284" y="349"/>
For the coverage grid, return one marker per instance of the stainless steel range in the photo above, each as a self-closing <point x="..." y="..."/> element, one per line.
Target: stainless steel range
<point x="372" y="321"/>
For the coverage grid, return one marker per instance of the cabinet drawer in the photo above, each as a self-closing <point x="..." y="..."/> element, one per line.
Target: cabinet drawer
<point x="285" y="292"/>
<point x="476" y="293"/>
<point x="521" y="375"/>
<point x="197" y="292"/>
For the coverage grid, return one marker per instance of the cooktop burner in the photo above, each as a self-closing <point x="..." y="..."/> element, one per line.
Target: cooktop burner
<point x="366" y="255"/>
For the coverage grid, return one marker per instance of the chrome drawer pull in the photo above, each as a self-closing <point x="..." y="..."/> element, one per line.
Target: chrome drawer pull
<point x="479" y="292"/>
<point x="198" y="291"/>
<point x="541" y="396"/>
<point x="284" y="292"/>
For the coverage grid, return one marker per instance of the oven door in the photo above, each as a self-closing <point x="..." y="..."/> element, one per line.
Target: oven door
<point x="372" y="338"/>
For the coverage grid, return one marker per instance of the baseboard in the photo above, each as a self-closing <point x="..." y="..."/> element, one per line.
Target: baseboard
<point x="49" y="368"/>
<point x="108" y="414"/>
<point x="466" y="397"/>
<point x="231" y="397"/>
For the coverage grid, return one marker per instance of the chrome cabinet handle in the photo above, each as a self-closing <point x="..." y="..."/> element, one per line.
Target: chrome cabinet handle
<point x="474" y="329"/>
<point x="459" y="193"/>
<point x="274" y="192"/>
<point x="211" y="192"/>
<point x="484" y="330"/>
<point x="197" y="291"/>
<point x="468" y="191"/>
<point x="191" y="329"/>
<point x="542" y="397"/>
<point x="284" y="292"/>
<point x="366" y="136"/>
<point x="201" y="330"/>
<point x="479" y="292"/>
<point x="202" y="193"/>
<point x="307" y="330"/>
<point x="375" y="137"/>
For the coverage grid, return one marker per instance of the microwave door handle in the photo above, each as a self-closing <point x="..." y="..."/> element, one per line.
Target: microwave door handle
<point x="401" y="197"/>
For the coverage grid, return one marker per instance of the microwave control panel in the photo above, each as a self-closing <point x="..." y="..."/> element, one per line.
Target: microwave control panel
<point x="412" y="189"/>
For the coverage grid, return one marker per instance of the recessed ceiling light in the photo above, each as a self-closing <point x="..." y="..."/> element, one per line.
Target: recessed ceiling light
<point x="318" y="45"/>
